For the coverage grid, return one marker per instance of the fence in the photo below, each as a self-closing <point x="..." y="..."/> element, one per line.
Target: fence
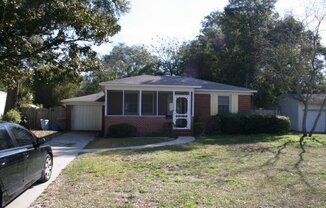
<point x="55" y="115"/>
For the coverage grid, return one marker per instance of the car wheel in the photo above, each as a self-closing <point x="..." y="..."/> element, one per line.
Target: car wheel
<point x="47" y="169"/>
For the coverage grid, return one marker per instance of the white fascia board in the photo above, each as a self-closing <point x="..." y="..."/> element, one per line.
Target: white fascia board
<point x="199" y="91"/>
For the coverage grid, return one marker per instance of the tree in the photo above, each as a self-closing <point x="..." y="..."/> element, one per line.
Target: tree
<point x="169" y="52"/>
<point x="123" y="61"/>
<point x="50" y="85"/>
<point x="295" y="61"/>
<point x="56" y="32"/>
<point x="230" y="43"/>
<point x="235" y="35"/>
<point x="91" y="81"/>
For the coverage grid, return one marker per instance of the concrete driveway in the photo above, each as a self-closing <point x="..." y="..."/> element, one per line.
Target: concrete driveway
<point x="65" y="148"/>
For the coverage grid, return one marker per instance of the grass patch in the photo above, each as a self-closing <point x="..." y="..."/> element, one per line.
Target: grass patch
<point x="220" y="171"/>
<point x="124" y="142"/>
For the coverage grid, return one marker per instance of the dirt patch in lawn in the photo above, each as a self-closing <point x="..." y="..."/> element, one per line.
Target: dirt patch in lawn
<point x="45" y="133"/>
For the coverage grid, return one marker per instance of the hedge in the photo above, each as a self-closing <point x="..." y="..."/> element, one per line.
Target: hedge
<point x="122" y="130"/>
<point x="249" y="124"/>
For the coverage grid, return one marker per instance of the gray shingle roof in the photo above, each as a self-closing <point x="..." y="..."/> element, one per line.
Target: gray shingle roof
<point x="176" y="81"/>
<point x="97" y="97"/>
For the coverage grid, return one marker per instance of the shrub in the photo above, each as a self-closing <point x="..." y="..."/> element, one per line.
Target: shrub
<point x="216" y="127"/>
<point x="250" y="124"/>
<point x="199" y="128"/>
<point x="122" y="130"/>
<point x="168" y="129"/>
<point x="12" y="116"/>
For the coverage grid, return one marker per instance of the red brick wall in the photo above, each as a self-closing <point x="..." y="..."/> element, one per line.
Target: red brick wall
<point x="244" y="103"/>
<point x="68" y="117"/>
<point x="144" y="125"/>
<point x="203" y="106"/>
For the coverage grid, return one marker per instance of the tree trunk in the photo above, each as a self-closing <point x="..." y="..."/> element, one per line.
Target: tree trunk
<point x="12" y="98"/>
<point x="317" y="118"/>
<point x="304" y="119"/>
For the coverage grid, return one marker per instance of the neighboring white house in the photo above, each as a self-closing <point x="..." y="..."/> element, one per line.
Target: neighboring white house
<point x="3" y="97"/>
<point x="290" y="106"/>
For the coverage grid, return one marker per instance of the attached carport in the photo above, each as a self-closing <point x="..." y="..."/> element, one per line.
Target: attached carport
<point x="85" y="113"/>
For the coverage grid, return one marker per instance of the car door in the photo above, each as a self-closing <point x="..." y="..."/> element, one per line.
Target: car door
<point x="11" y="167"/>
<point x="33" y="155"/>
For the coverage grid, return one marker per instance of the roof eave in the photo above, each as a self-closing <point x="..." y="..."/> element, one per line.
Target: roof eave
<point x="147" y="85"/>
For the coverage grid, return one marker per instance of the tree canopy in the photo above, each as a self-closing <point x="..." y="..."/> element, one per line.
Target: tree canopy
<point x="54" y="32"/>
<point x="122" y="61"/>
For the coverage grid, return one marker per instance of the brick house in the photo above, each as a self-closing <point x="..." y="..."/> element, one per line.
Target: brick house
<point x="147" y="102"/>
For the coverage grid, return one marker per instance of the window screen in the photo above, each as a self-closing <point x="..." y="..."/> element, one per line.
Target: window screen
<point x="5" y="141"/>
<point x="114" y="102"/>
<point x="165" y="103"/>
<point x="131" y="103"/>
<point x="148" y="103"/>
<point x="223" y="104"/>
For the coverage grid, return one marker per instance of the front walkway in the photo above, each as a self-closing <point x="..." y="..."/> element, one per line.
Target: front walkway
<point x="179" y="140"/>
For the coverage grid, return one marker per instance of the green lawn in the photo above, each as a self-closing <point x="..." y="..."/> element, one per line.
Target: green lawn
<point x="124" y="142"/>
<point x="222" y="171"/>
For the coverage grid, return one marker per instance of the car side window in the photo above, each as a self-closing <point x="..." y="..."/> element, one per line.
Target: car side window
<point x="5" y="141"/>
<point x="22" y="136"/>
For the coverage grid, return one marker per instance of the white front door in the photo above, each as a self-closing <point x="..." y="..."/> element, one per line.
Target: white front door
<point x="181" y="112"/>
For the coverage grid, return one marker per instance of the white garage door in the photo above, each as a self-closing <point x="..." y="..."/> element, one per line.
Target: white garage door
<point x="321" y="126"/>
<point x="86" y="117"/>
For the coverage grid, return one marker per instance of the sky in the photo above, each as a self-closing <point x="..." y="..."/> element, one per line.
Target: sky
<point x="150" y="20"/>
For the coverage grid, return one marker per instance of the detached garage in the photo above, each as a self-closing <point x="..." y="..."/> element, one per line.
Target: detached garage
<point x="290" y="106"/>
<point x="85" y="113"/>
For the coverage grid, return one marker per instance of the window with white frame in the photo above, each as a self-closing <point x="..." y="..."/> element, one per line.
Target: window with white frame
<point x="223" y="104"/>
<point x="131" y="103"/>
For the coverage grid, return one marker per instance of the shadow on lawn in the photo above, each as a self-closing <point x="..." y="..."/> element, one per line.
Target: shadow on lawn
<point x="239" y="139"/>
<point x="270" y="168"/>
<point x="278" y="152"/>
<point x="271" y="162"/>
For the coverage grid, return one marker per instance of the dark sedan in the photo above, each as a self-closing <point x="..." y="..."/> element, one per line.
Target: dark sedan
<point x="23" y="161"/>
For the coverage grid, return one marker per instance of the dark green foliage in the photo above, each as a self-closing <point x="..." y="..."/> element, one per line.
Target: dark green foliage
<point x="168" y="129"/>
<point x="250" y="124"/>
<point x="12" y="116"/>
<point x="230" y="42"/>
<point x="125" y="61"/>
<point x="122" y="61"/>
<point x="54" y="33"/>
<point x="216" y="127"/>
<point x="122" y="130"/>
<point x="51" y="85"/>
<point x="199" y="128"/>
